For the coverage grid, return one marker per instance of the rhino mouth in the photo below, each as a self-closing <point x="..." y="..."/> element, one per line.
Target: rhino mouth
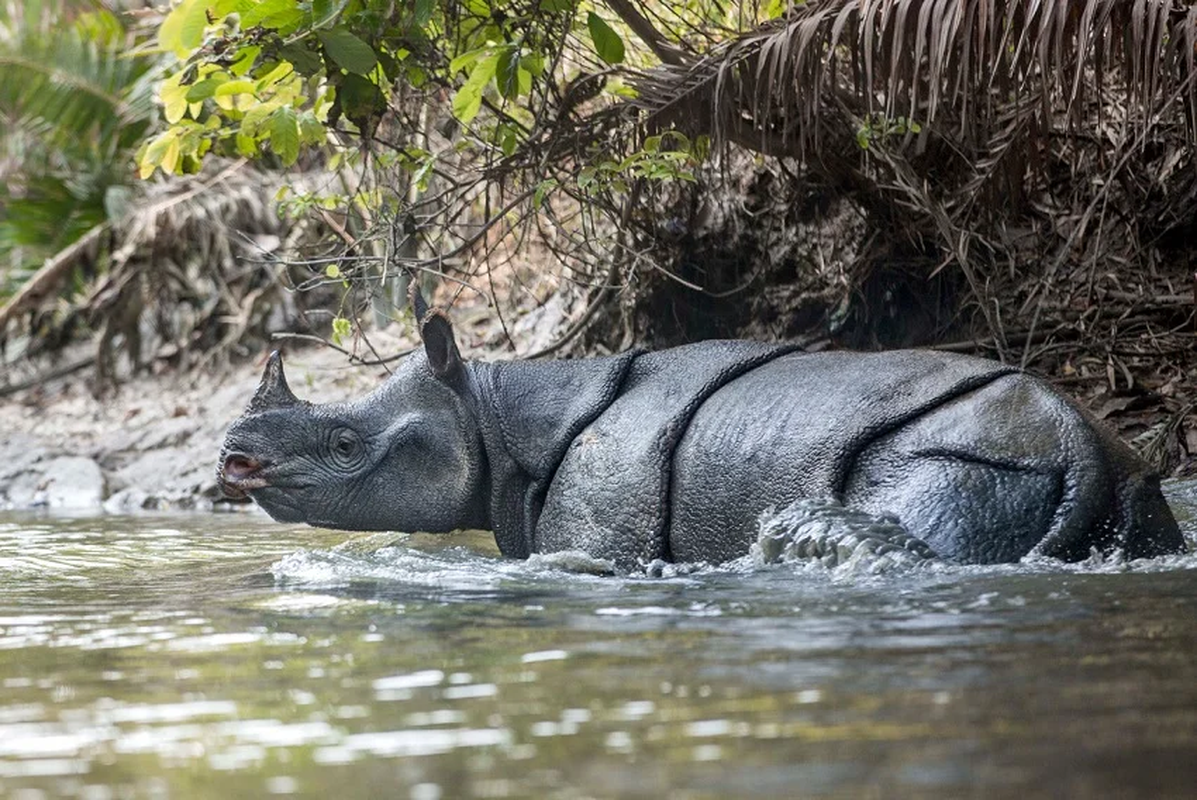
<point x="240" y="474"/>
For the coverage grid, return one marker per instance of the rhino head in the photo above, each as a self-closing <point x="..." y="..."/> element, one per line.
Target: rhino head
<point x="408" y="456"/>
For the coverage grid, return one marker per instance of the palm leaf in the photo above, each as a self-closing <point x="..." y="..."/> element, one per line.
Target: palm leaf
<point x="73" y="105"/>
<point x="953" y="63"/>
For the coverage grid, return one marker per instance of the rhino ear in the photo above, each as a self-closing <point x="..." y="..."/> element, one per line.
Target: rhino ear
<point x="441" y="348"/>
<point x="273" y="391"/>
<point x="437" y="332"/>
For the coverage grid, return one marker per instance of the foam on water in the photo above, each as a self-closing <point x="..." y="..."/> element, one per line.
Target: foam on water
<point x="462" y="571"/>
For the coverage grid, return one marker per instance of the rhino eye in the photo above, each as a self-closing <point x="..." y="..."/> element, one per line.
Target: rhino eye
<point x="346" y="448"/>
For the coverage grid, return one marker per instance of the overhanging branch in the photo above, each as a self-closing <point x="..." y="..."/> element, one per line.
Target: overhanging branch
<point x="662" y="48"/>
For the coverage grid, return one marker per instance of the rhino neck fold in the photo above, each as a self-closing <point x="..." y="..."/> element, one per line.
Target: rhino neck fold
<point x="529" y="413"/>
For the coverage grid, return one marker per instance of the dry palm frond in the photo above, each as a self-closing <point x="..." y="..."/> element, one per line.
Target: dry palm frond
<point x="188" y="277"/>
<point x="770" y="88"/>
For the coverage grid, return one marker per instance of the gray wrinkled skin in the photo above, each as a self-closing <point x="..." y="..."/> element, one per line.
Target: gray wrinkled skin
<point x="676" y="455"/>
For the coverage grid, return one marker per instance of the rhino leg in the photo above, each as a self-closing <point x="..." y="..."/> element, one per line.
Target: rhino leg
<point x="969" y="510"/>
<point x="999" y="473"/>
<point x="823" y="531"/>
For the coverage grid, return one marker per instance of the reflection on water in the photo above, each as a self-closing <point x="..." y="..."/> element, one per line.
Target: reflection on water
<point x="226" y="656"/>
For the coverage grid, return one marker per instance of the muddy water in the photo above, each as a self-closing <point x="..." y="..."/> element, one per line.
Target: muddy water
<point x="226" y="656"/>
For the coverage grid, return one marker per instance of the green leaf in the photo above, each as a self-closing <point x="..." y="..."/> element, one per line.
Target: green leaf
<point x="305" y="61"/>
<point x="244" y="60"/>
<point x="542" y="190"/>
<point x="264" y="10"/>
<point x="234" y="87"/>
<point x="284" y="134"/>
<point x="466" y="59"/>
<point x="341" y="328"/>
<point x="468" y="100"/>
<point x="205" y="88"/>
<point x="359" y="99"/>
<point x="275" y="73"/>
<point x="423" y="11"/>
<point x="311" y="131"/>
<point x="325" y="11"/>
<point x="416" y="76"/>
<point x="350" y="52"/>
<point x="257" y="115"/>
<point x="246" y="144"/>
<point x="174" y="99"/>
<point x="775" y="8"/>
<point x="681" y="142"/>
<point x="478" y="8"/>
<point x="286" y="21"/>
<point x="222" y="8"/>
<point x="533" y="63"/>
<point x="334" y="272"/>
<point x="420" y="176"/>
<point x="183" y="29"/>
<point x="507" y="73"/>
<point x="606" y="41"/>
<point x="154" y="153"/>
<point x="170" y="155"/>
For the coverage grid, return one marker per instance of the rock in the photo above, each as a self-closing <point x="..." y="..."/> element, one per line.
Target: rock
<point x="134" y="500"/>
<point x="127" y="501"/>
<point x="167" y="479"/>
<point x="20" y="472"/>
<point x="72" y="483"/>
<point x="171" y="432"/>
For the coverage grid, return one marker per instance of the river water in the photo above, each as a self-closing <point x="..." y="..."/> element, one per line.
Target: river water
<point x="227" y="656"/>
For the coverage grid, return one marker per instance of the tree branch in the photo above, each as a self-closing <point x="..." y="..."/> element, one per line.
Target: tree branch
<point x="665" y="50"/>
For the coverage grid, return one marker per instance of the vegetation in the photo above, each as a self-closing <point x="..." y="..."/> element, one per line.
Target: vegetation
<point x="464" y="133"/>
<point x="75" y="103"/>
<point x="943" y="122"/>
<point x="1006" y="176"/>
<point x="88" y="249"/>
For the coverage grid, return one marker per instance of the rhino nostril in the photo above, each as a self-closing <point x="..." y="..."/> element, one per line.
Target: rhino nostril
<point x="238" y="467"/>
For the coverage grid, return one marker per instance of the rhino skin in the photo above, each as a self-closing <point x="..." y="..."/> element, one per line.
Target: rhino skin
<point x="676" y="454"/>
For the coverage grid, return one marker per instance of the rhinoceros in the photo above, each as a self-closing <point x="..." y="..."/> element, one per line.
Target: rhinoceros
<point x="678" y="454"/>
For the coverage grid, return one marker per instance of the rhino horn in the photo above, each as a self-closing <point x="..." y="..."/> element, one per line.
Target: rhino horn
<point x="273" y="391"/>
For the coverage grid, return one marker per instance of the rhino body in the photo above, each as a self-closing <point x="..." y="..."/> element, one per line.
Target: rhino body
<point x="676" y="454"/>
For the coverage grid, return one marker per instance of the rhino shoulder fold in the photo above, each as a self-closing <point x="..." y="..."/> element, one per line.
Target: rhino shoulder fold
<point x="528" y="413"/>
